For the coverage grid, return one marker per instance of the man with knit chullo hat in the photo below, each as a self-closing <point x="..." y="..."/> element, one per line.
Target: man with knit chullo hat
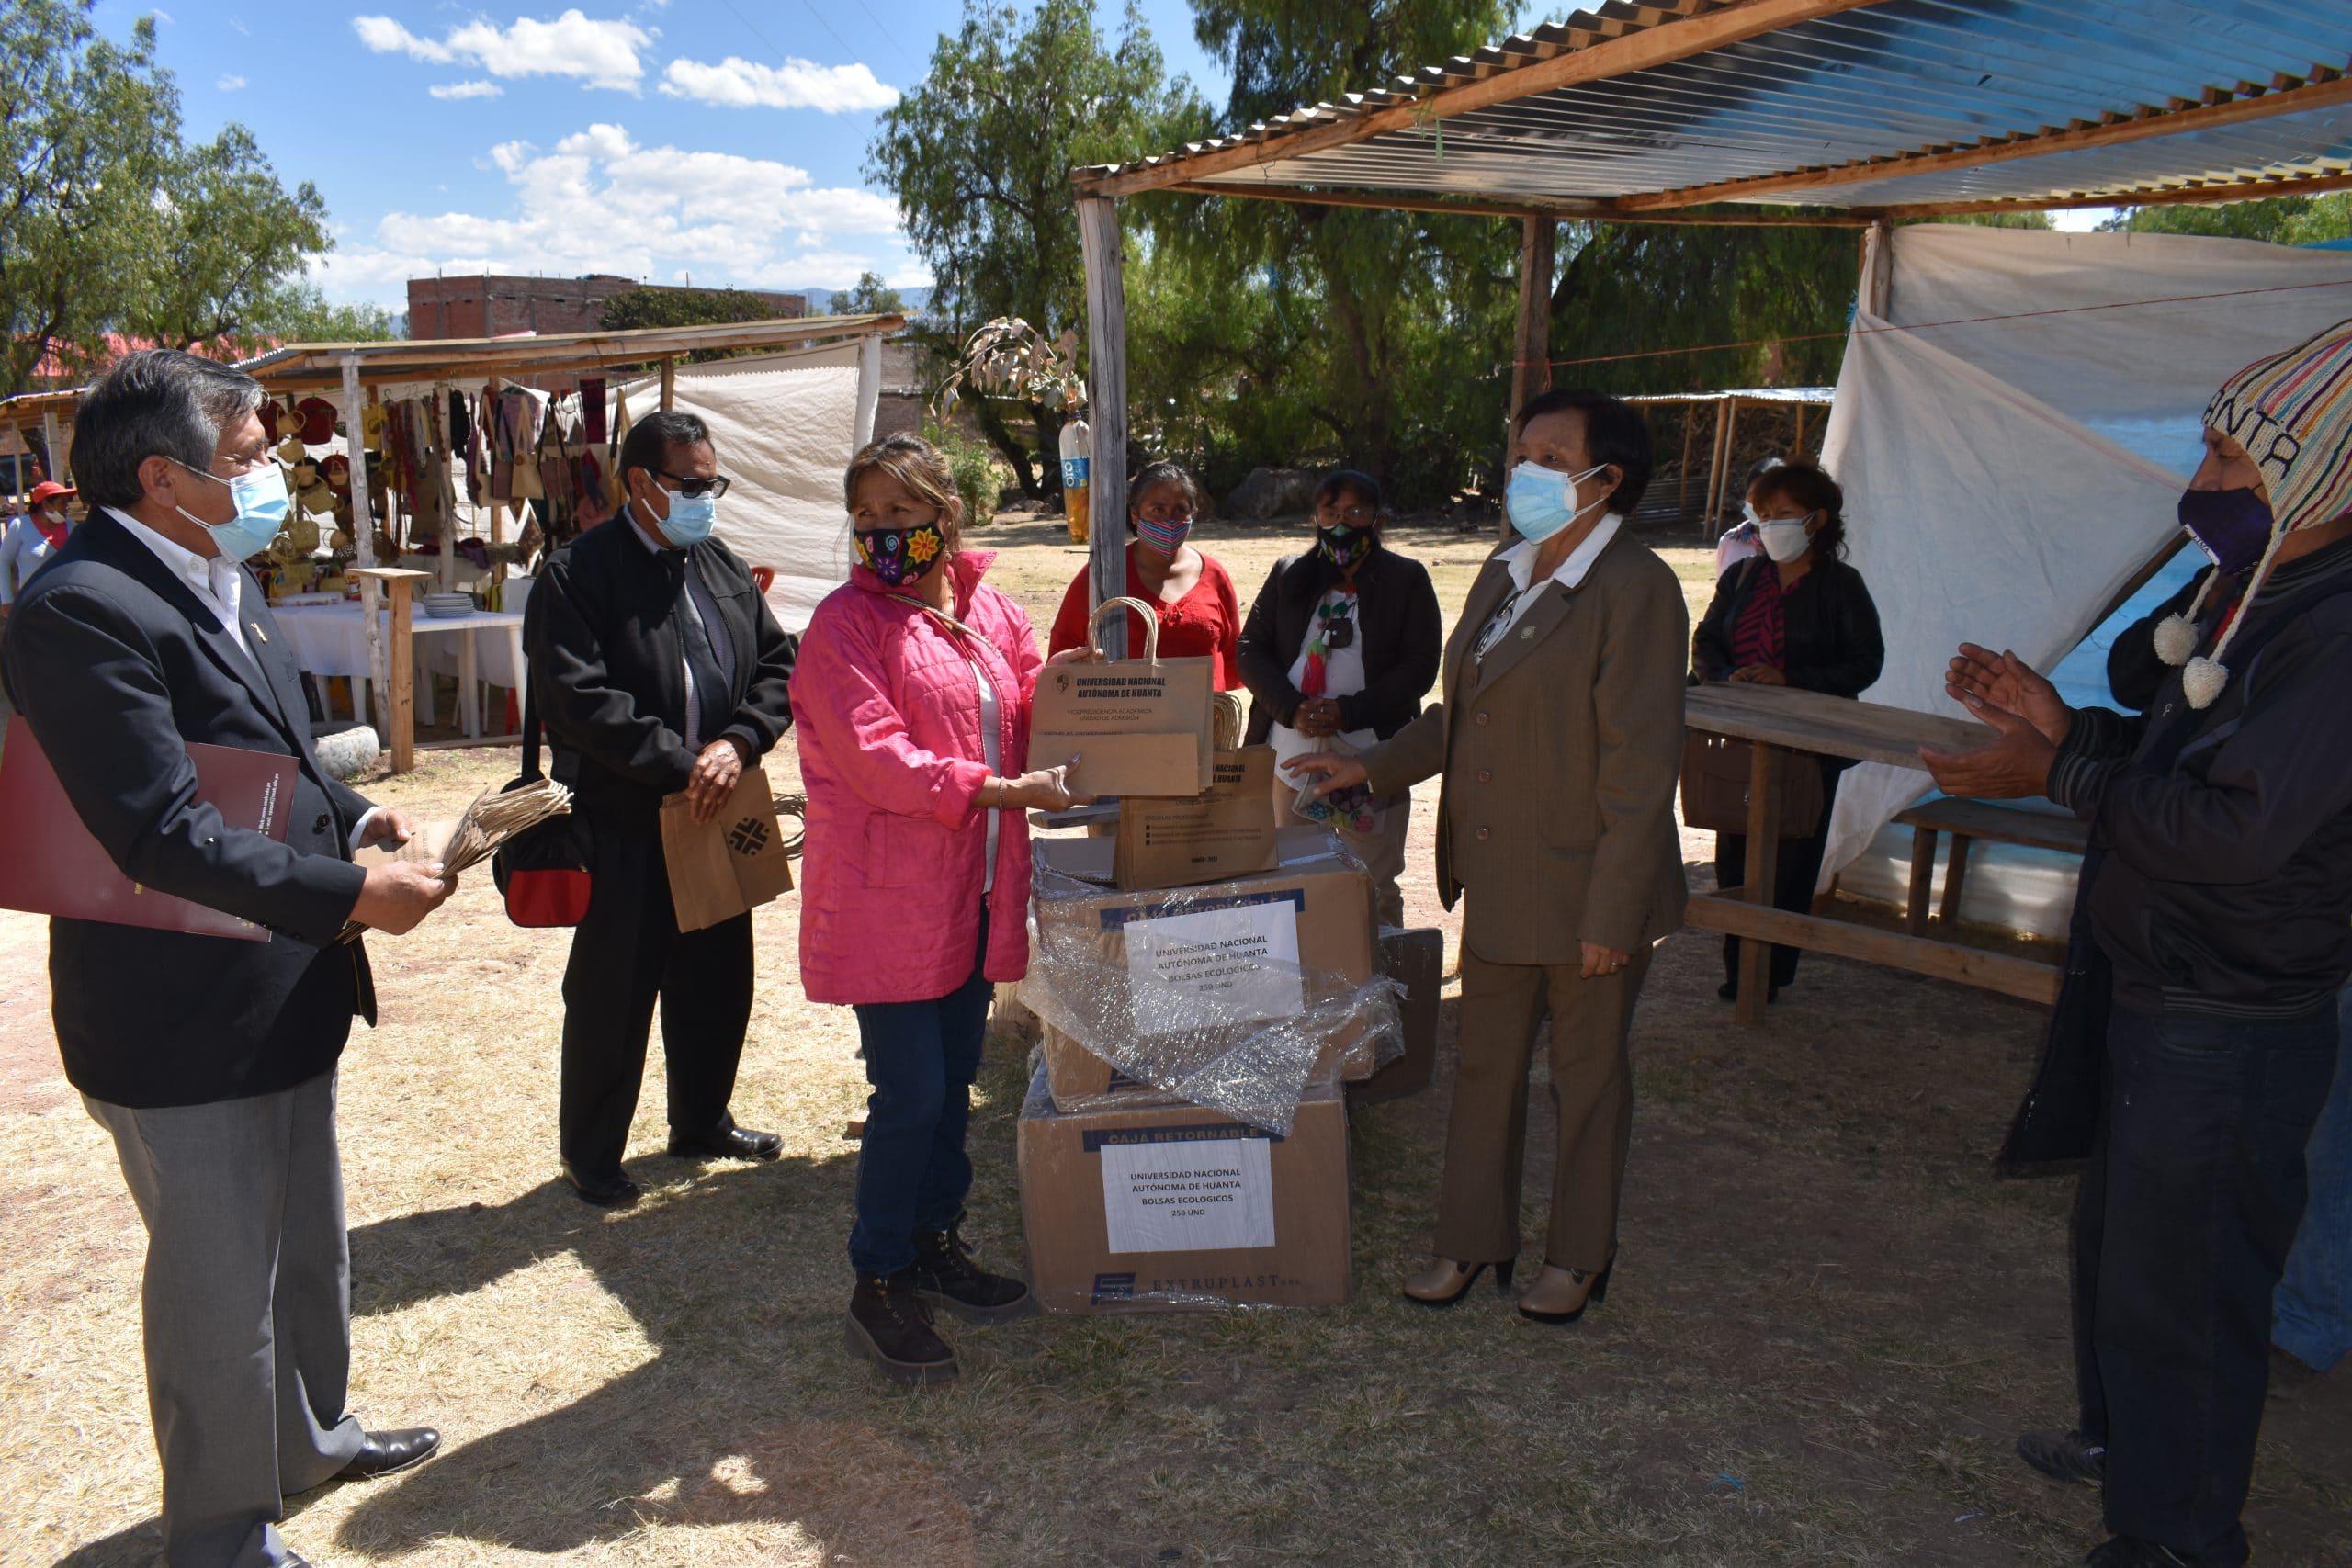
<point x="2195" y="1038"/>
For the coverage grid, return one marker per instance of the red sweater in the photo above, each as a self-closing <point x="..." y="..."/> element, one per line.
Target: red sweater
<point x="1204" y="624"/>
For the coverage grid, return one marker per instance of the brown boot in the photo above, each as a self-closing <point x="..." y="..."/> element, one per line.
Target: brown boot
<point x="1444" y="1281"/>
<point x="889" y="1325"/>
<point x="1560" y="1295"/>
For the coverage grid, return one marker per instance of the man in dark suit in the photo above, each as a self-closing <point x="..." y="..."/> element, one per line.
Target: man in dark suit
<point x="657" y="668"/>
<point x="211" y="1061"/>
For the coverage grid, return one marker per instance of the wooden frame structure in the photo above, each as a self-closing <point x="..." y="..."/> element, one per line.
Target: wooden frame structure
<point x="1727" y="405"/>
<point x="1848" y="113"/>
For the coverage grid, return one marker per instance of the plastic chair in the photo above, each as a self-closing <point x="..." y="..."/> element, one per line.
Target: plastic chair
<point x="764" y="577"/>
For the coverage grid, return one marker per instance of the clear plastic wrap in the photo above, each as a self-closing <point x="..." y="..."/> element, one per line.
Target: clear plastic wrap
<point x="1233" y="995"/>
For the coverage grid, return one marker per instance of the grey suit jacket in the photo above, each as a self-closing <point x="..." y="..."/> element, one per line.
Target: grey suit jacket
<point x="1560" y="755"/>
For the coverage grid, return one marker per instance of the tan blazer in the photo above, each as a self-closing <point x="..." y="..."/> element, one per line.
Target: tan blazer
<point x="1560" y="755"/>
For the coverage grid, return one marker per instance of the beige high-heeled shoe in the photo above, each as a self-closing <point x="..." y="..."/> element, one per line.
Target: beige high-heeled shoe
<point x="1446" y="1282"/>
<point x="1560" y="1295"/>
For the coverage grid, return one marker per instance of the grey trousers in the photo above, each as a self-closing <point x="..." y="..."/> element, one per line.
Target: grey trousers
<point x="247" y="1304"/>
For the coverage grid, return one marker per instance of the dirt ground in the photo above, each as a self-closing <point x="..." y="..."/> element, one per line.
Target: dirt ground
<point x="1829" y="1322"/>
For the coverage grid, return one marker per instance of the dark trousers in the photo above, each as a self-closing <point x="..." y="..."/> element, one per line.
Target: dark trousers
<point x="625" y="954"/>
<point x="1794" y="876"/>
<point x="913" y="1173"/>
<point x="2187" y="1206"/>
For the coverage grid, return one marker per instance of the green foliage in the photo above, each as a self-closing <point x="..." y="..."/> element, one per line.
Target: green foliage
<point x="974" y="466"/>
<point x="682" y="307"/>
<point x="300" y="314"/>
<point x="2283" y="221"/>
<point x="109" y="222"/>
<point x="979" y="156"/>
<point x="868" y="297"/>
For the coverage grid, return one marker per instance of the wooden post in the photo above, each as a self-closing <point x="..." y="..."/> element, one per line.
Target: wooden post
<point x="363" y="543"/>
<point x="1106" y="395"/>
<point x="1531" y="369"/>
<point x="869" y="389"/>
<point x="1731" y="458"/>
<point x="399" y="695"/>
<point x="668" y="383"/>
<point x="1763" y="865"/>
<point x="1690" y="429"/>
<point x="1923" y="877"/>
<point x="1798" y="450"/>
<point x="52" y="457"/>
<point x="1715" y="469"/>
<point x="1878" y="270"/>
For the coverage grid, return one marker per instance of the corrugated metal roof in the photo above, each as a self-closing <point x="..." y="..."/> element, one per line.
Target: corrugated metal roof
<point x="2252" y="90"/>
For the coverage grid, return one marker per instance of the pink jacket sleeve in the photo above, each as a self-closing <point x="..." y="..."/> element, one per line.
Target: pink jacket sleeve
<point x="846" y="705"/>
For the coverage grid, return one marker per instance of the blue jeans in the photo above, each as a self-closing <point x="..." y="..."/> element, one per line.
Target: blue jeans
<point x="913" y="1173"/>
<point x="2188" y="1203"/>
<point x="2312" y="1314"/>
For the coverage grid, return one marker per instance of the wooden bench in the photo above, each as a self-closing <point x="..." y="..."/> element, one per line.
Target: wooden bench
<point x="1967" y="820"/>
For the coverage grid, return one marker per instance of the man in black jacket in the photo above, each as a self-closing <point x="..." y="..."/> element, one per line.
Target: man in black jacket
<point x="1360" y="624"/>
<point x="2195" y="1037"/>
<point x="210" y="1060"/>
<point x="658" y="669"/>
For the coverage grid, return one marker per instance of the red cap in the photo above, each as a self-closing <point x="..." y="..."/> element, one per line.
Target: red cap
<point x="48" y="488"/>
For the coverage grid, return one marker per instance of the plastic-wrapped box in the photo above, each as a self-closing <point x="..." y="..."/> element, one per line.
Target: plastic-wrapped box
<point x="1226" y="994"/>
<point x="1147" y="1203"/>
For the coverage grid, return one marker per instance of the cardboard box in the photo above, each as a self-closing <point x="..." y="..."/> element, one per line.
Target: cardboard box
<point x="1256" y="949"/>
<point x="1228" y="830"/>
<point x="1160" y="1206"/>
<point x="1414" y="960"/>
<point x="733" y="863"/>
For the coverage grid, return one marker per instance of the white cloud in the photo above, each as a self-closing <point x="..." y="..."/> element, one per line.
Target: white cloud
<point x="230" y="83"/>
<point x="598" y="201"/>
<point x="449" y="90"/>
<point x="598" y="53"/>
<point x="736" y="82"/>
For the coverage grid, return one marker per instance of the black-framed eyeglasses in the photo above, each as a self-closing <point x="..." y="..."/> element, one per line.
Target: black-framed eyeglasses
<point x="713" y="487"/>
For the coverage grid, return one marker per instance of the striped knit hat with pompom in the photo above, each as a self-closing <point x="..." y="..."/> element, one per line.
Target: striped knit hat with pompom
<point x="2292" y="412"/>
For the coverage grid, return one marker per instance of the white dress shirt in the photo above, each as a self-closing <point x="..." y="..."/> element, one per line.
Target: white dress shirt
<point x="1520" y="561"/>
<point x="23" y="546"/>
<point x="219" y="585"/>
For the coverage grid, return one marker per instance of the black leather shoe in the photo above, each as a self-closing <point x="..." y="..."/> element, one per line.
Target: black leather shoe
<point x="735" y="1143"/>
<point x="2064" y="1456"/>
<point x="385" y="1452"/>
<point x="945" y="1276"/>
<point x="614" y="1191"/>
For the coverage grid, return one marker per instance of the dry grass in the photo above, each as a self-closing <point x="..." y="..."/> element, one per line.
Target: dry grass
<point x="1830" y="1321"/>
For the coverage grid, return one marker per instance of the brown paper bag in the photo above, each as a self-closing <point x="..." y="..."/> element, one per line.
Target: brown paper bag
<point x="1139" y="726"/>
<point x="732" y="864"/>
<point x="1230" y="830"/>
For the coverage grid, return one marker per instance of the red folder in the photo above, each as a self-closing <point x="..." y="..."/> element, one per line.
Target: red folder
<point x="50" y="865"/>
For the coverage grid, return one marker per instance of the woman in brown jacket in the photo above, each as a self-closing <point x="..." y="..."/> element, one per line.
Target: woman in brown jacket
<point x="1559" y="737"/>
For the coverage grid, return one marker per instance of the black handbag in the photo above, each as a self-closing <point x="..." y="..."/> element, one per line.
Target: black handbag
<point x="542" y="872"/>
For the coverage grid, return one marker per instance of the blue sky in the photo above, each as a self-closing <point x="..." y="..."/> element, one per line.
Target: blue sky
<point x="721" y="140"/>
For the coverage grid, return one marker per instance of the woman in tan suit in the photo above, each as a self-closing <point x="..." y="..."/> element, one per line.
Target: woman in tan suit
<point x="1559" y="738"/>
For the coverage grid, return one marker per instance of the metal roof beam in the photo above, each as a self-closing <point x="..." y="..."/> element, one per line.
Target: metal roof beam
<point x="2147" y="123"/>
<point x="1561" y="209"/>
<point x="2191" y="195"/>
<point x="1661" y="43"/>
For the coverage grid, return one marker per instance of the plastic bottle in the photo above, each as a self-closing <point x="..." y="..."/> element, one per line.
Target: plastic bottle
<point x="1078" y="446"/>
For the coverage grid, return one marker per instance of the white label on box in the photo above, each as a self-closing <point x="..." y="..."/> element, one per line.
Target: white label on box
<point x="1209" y="1195"/>
<point x="1237" y="964"/>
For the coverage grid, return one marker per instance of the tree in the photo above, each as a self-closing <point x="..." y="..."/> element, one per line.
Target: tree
<point x="868" y="297"/>
<point x="301" y="313"/>
<point x="226" y="236"/>
<point x="2283" y="221"/>
<point x="682" y="307"/>
<point x="979" y="157"/>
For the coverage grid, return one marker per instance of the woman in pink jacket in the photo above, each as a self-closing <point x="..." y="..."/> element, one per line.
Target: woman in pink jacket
<point x="911" y="698"/>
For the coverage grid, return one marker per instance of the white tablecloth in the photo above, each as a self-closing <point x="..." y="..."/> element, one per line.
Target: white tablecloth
<point x="331" y="639"/>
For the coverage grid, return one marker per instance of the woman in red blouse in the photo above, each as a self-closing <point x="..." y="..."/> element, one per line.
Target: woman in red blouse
<point x="1200" y="616"/>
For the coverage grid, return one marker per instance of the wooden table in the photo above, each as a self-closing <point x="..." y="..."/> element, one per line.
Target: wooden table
<point x="1780" y="719"/>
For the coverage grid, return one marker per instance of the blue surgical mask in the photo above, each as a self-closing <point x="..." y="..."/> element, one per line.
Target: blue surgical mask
<point x="1543" y="500"/>
<point x="691" y="519"/>
<point x="261" y="505"/>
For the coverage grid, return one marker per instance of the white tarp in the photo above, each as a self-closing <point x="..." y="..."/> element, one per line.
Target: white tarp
<point x="2000" y="482"/>
<point x="785" y="426"/>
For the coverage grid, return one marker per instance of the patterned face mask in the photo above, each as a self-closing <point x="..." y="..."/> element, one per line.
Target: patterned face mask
<point x="899" y="556"/>
<point x="1343" y="546"/>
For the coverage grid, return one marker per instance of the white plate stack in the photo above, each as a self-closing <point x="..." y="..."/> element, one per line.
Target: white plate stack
<point x="448" y="605"/>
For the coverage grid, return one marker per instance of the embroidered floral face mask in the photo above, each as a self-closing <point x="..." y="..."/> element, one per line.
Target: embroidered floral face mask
<point x="899" y="556"/>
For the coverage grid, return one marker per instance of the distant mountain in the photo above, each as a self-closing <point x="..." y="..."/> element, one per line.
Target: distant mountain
<point x="820" y="301"/>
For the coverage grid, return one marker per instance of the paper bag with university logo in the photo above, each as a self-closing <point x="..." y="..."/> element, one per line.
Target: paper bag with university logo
<point x="1138" y="726"/>
<point x="733" y="863"/>
<point x="1229" y="831"/>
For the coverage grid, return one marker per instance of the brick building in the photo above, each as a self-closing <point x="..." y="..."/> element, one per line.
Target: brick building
<point x="487" y="305"/>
